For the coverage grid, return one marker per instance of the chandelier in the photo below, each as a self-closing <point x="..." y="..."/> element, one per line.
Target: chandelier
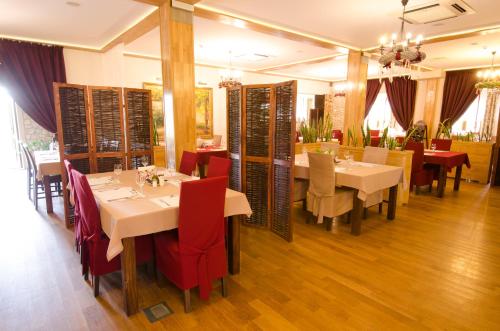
<point x="396" y="58"/>
<point x="490" y="78"/>
<point x="229" y="77"/>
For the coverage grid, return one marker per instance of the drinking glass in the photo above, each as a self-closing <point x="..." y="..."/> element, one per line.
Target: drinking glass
<point x="117" y="170"/>
<point x="433" y="147"/>
<point x="144" y="161"/>
<point x="140" y="180"/>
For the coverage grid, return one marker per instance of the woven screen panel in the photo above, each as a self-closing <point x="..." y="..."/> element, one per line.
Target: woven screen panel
<point x="107" y="164"/>
<point x="81" y="165"/>
<point x="234" y="120"/>
<point x="74" y="120"/>
<point x="139" y="121"/>
<point x="281" y="202"/>
<point x="136" y="161"/>
<point x="107" y="126"/>
<point x="257" y="121"/>
<point x="235" y="175"/>
<point x="285" y="113"/>
<point x="257" y="192"/>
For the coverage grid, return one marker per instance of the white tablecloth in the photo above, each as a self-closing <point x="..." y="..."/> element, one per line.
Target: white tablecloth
<point x="47" y="163"/>
<point x="135" y="217"/>
<point x="367" y="178"/>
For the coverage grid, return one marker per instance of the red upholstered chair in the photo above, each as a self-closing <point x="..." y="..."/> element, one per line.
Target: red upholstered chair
<point x="374" y="141"/>
<point x="94" y="242"/>
<point x="76" y="212"/>
<point x="218" y="167"/>
<point x="374" y="133"/>
<point x="195" y="255"/>
<point x="188" y="163"/>
<point x="337" y="134"/>
<point x="400" y="140"/>
<point x="442" y="144"/>
<point x="420" y="175"/>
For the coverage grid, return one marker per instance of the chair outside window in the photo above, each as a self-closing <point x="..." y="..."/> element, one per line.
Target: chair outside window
<point x="188" y="163"/>
<point x="195" y="255"/>
<point x="323" y="198"/>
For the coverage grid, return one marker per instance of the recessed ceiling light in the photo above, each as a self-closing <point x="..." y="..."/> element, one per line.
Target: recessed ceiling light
<point x="73" y="3"/>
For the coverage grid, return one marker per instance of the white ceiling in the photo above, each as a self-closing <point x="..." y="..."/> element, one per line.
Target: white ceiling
<point x="92" y="24"/>
<point x="358" y="23"/>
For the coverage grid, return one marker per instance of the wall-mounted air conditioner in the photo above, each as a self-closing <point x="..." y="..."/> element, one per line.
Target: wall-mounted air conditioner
<point x="437" y="11"/>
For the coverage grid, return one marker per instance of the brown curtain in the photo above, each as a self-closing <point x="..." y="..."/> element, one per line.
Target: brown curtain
<point x="401" y="94"/>
<point x="372" y="88"/>
<point x="28" y="70"/>
<point x="459" y="92"/>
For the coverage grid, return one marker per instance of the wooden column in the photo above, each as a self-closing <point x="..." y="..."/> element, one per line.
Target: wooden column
<point x="177" y="58"/>
<point x="357" y="72"/>
<point x="431" y="91"/>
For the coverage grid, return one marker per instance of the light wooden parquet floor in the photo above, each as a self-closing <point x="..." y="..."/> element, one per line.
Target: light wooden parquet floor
<point x="437" y="266"/>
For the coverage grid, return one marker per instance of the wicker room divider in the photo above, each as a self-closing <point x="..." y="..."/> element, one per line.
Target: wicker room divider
<point x="92" y="125"/>
<point x="261" y="140"/>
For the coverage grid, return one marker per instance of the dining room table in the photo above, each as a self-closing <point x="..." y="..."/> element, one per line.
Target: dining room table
<point x="365" y="179"/>
<point x="204" y="154"/>
<point x="47" y="165"/>
<point x="446" y="161"/>
<point x="126" y="213"/>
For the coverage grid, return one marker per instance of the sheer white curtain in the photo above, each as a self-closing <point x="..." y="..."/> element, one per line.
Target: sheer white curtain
<point x="380" y="116"/>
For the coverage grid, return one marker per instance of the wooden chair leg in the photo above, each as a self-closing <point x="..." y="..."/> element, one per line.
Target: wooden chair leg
<point x="365" y="213"/>
<point x="349" y="215"/>
<point x="380" y="207"/>
<point x="430" y="188"/>
<point x="328" y="223"/>
<point x="223" y="281"/>
<point x="304" y="205"/>
<point x="187" y="301"/>
<point x="96" y="286"/>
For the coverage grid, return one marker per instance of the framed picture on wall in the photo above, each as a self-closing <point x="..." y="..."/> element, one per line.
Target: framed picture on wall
<point x="203" y="103"/>
<point x="157" y="99"/>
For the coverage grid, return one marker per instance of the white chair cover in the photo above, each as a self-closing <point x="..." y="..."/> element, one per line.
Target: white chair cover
<point x="323" y="199"/>
<point x="375" y="155"/>
<point x="330" y="146"/>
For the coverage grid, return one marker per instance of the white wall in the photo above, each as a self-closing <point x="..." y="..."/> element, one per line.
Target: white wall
<point x="115" y="69"/>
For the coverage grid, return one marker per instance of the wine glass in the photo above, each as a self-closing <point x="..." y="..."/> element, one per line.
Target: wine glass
<point x="195" y="173"/>
<point x="144" y="161"/>
<point x="433" y="147"/>
<point x="117" y="170"/>
<point x="140" y="180"/>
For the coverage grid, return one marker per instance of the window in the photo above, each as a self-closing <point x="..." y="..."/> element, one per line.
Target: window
<point x="472" y="119"/>
<point x="380" y="116"/>
<point x="304" y="103"/>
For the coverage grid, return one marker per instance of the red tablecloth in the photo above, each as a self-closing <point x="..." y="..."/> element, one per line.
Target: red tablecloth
<point x="204" y="154"/>
<point x="449" y="159"/>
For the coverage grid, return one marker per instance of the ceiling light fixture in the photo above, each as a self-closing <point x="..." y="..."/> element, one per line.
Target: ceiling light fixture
<point x="397" y="57"/>
<point x="229" y="77"/>
<point x="490" y="78"/>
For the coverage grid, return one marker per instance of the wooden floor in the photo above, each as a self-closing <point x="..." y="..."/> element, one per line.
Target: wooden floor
<point x="437" y="266"/>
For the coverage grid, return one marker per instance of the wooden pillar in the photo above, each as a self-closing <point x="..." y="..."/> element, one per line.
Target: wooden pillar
<point x="357" y="72"/>
<point x="431" y="93"/>
<point x="177" y="59"/>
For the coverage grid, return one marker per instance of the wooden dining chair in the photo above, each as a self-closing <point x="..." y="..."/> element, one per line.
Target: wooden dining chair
<point x="376" y="155"/>
<point x="188" y="163"/>
<point x="94" y="242"/>
<point x="420" y="175"/>
<point x="442" y="144"/>
<point x="218" y="167"/>
<point x="195" y="255"/>
<point x="323" y="198"/>
<point x="29" y="169"/>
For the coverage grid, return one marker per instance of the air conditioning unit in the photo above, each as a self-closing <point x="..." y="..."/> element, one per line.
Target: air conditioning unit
<point x="437" y="11"/>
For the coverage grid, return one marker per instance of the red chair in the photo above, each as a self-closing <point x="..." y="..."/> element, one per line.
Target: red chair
<point x="195" y="255"/>
<point x="94" y="242"/>
<point x="442" y="144"/>
<point x="420" y="175"/>
<point x="374" y="133"/>
<point x="218" y="167"/>
<point x="374" y="141"/>
<point x="400" y="140"/>
<point x="337" y="134"/>
<point x="188" y="163"/>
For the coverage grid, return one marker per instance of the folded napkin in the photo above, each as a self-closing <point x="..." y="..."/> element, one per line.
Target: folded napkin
<point x="93" y="181"/>
<point x="168" y="201"/>
<point x="116" y="194"/>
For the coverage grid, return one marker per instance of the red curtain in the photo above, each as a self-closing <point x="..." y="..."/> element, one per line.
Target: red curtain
<point x="28" y="71"/>
<point x="372" y="88"/>
<point x="459" y="92"/>
<point x="401" y="94"/>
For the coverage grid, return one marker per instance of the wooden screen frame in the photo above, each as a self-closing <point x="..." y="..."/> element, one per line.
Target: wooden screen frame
<point x="130" y="154"/>
<point x="60" y="137"/>
<point x="95" y="155"/>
